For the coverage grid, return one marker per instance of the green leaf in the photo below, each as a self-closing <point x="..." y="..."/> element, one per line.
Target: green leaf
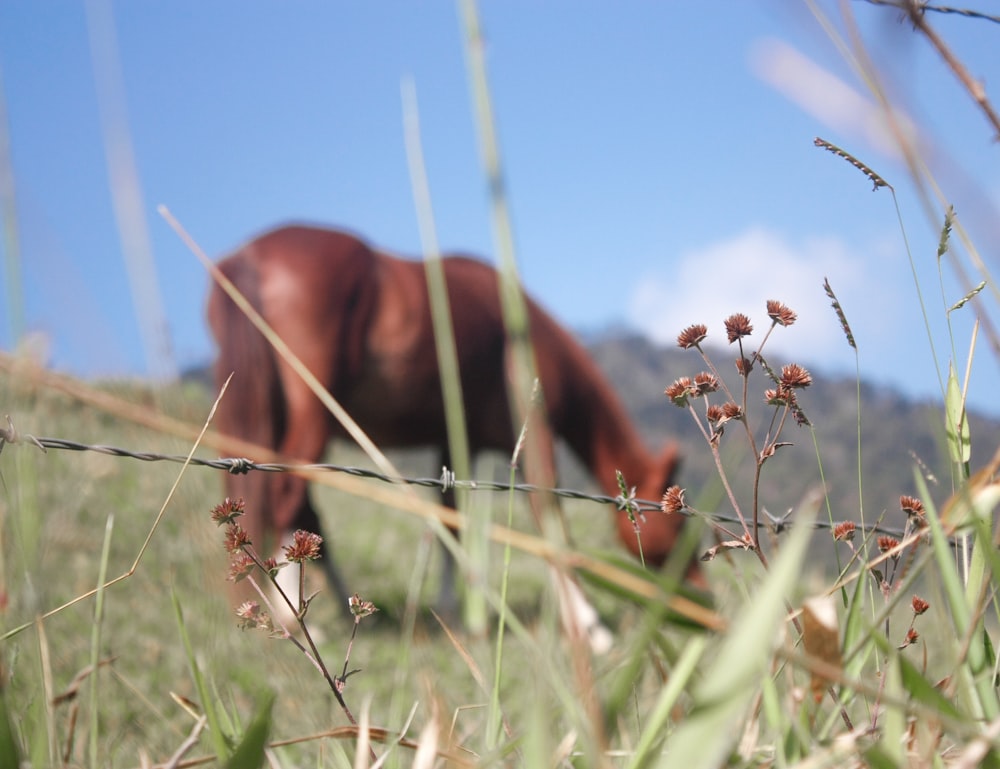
<point x="9" y="753"/>
<point x="708" y="734"/>
<point x="977" y="690"/>
<point x="207" y="702"/>
<point x="878" y="757"/>
<point x="249" y="754"/>
<point x="656" y="725"/>
<point x="855" y="630"/>
<point x="956" y="421"/>
<point x="924" y="692"/>
<point x="989" y="653"/>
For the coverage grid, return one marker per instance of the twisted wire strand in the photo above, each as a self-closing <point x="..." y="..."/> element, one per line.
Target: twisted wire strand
<point x="943" y="9"/>
<point x="239" y="465"/>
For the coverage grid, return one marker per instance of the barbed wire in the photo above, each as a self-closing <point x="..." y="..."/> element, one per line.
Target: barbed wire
<point x="447" y="480"/>
<point x="903" y="5"/>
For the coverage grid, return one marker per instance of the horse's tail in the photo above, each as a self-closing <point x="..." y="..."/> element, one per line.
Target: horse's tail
<point x="252" y="409"/>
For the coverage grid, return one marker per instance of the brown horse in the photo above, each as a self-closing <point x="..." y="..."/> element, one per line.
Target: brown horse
<point x="360" y="321"/>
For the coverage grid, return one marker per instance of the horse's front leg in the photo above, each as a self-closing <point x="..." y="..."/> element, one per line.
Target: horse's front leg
<point x="447" y="601"/>
<point x="288" y="578"/>
<point x="305" y="439"/>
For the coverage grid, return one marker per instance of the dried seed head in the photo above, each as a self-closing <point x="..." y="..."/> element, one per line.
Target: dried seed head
<point x="252" y="616"/>
<point x="793" y="375"/>
<point x="800" y="418"/>
<point x="692" y="336"/>
<point x="719" y="415"/>
<point x="875" y="179"/>
<point x="919" y="605"/>
<point x="780" y="313"/>
<point x="737" y="327"/>
<point x="248" y="610"/>
<point x="911" y="506"/>
<point x="360" y="607"/>
<point x="705" y="383"/>
<point x="228" y="511"/>
<point x="304" y="547"/>
<point x="679" y="391"/>
<point x="840" y="314"/>
<point x="673" y="500"/>
<point x="887" y="543"/>
<point x="744" y="366"/>
<point x="241" y="566"/>
<point x="782" y="396"/>
<point x="844" y="532"/>
<point x="236" y="538"/>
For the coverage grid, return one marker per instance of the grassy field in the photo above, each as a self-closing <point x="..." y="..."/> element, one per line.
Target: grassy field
<point x="56" y="509"/>
<point x="166" y="643"/>
<point x="885" y="660"/>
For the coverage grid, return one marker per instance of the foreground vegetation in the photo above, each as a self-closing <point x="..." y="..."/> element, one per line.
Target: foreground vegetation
<point x="792" y="664"/>
<point x="121" y="647"/>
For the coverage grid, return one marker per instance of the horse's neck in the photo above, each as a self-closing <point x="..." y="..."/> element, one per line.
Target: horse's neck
<point x="615" y="445"/>
<point x="597" y="427"/>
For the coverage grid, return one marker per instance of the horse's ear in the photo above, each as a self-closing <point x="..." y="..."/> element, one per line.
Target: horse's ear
<point x="668" y="463"/>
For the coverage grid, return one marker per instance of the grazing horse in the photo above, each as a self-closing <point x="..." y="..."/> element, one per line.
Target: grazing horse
<point x="360" y="320"/>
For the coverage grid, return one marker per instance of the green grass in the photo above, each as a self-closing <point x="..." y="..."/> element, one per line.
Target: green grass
<point x="662" y="690"/>
<point x="57" y="504"/>
<point x="154" y="665"/>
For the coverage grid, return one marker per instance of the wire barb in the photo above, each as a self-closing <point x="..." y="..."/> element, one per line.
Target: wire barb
<point x="11" y="436"/>
<point x="240" y="466"/>
<point x="447" y="479"/>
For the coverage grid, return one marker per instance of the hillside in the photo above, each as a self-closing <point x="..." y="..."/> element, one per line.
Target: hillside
<point x="894" y="432"/>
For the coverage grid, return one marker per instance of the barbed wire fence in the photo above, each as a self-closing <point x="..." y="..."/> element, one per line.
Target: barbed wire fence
<point x="921" y="6"/>
<point x="446" y="481"/>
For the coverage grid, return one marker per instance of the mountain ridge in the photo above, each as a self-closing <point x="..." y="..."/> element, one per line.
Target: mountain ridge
<point x="898" y="434"/>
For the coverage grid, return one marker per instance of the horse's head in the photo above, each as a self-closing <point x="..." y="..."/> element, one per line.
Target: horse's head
<point x="659" y="531"/>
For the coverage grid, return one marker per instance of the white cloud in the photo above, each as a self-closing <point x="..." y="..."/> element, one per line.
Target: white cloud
<point x="740" y="274"/>
<point x="826" y="97"/>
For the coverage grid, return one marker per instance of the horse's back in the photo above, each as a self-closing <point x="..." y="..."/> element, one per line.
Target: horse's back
<point x="365" y="317"/>
<point x="478" y="315"/>
<point x="312" y="257"/>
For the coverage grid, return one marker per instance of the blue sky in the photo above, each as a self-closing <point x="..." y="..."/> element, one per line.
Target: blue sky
<point x="659" y="159"/>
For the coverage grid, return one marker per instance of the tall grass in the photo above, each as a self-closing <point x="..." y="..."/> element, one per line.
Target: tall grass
<point x="889" y="661"/>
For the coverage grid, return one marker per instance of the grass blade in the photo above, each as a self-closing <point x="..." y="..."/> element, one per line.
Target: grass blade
<point x="475" y="541"/>
<point x="973" y="672"/>
<point x="249" y="754"/>
<point x="708" y="734"/>
<point x="956" y="421"/>
<point x="95" y="642"/>
<point x="207" y="701"/>
<point x="923" y="691"/>
<point x="680" y="675"/>
<point x="10" y="755"/>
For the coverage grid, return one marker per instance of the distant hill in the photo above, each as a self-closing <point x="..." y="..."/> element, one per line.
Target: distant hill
<point x="896" y="433"/>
